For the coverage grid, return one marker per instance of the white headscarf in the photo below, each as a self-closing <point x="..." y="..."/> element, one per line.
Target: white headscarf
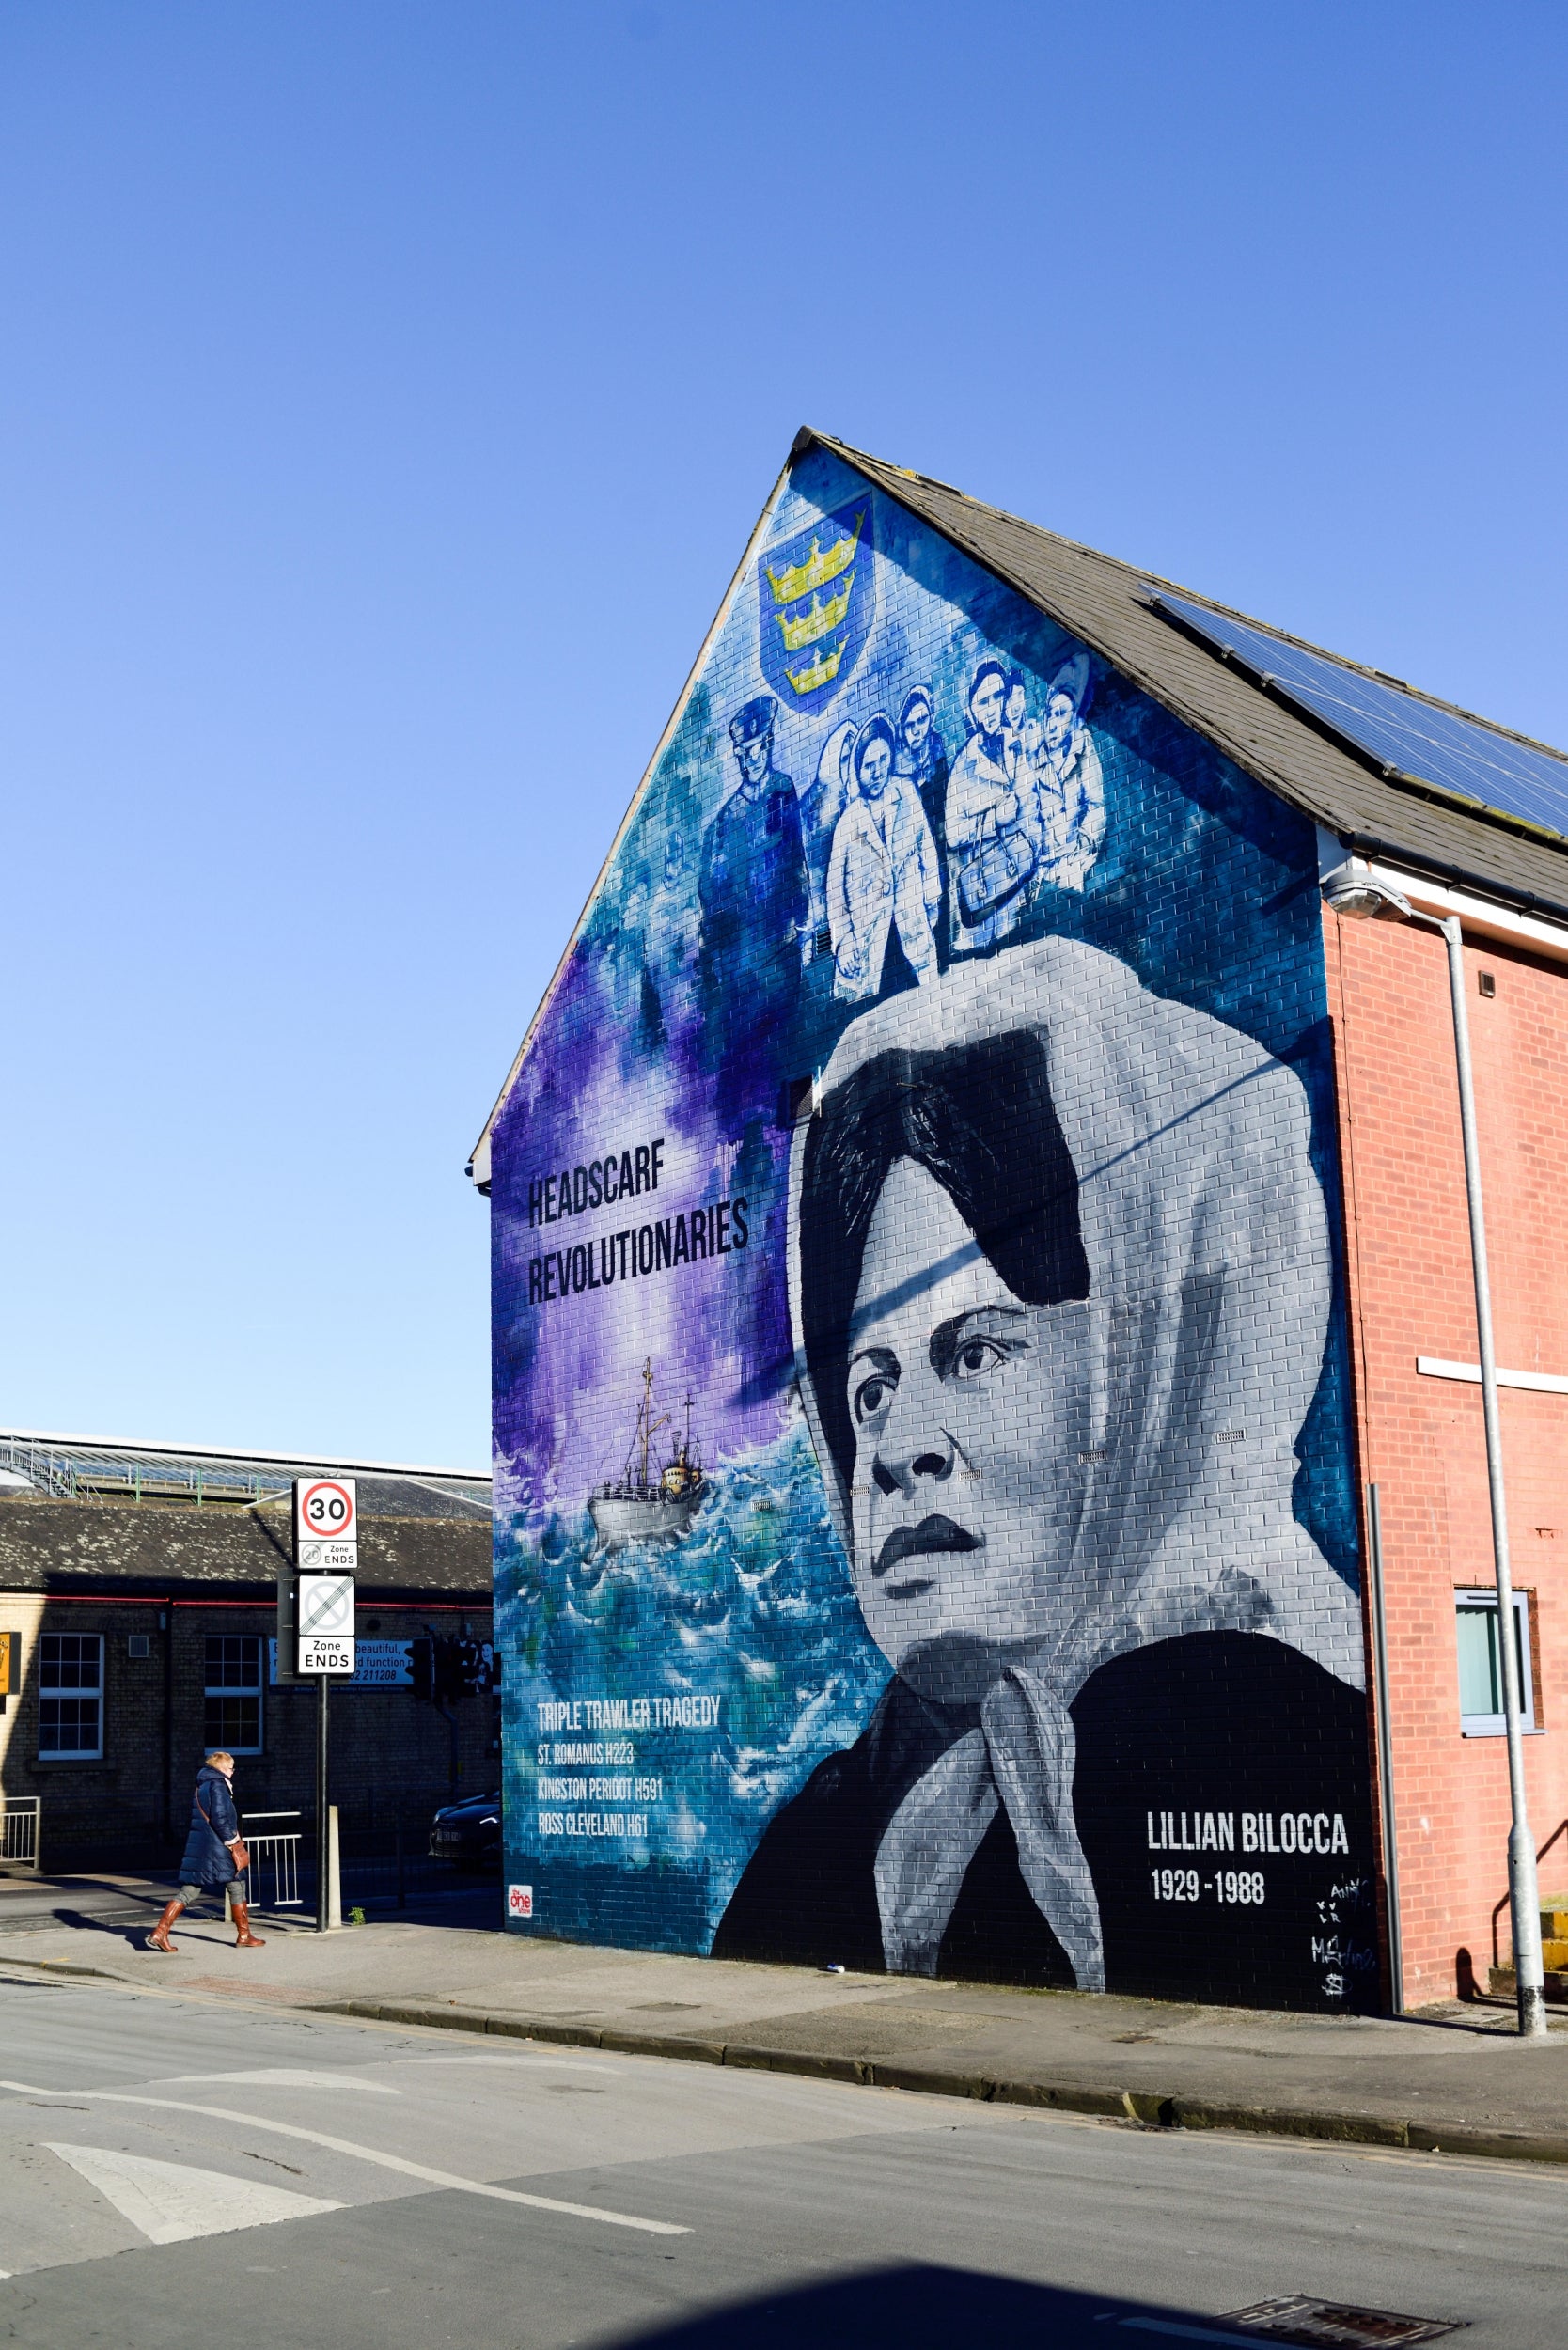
<point x="1210" y="1281"/>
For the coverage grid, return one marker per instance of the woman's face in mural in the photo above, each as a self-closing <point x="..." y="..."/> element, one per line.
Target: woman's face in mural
<point x="970" y="1412"/>
<point x="1016" y="703"/>
<point x="1059" y="722"/>
<point x="875" y="765"/>
<point x="915" y="727"/>
<point x="985" y="704"/>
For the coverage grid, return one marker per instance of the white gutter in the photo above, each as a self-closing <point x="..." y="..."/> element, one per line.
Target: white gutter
<point x="1482" y="915"/>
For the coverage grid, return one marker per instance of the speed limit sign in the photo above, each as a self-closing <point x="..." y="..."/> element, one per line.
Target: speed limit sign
<point x="326" y="1524"/>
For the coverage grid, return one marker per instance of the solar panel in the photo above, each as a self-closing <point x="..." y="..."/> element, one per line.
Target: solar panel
<point x="1407" y="736"/>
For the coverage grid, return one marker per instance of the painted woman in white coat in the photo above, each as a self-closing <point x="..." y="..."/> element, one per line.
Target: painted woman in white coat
<point x="883" y="872"/>
<point x="1069" y="781"/>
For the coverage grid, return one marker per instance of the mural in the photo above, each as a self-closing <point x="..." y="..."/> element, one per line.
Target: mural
<point x="925" y="1529"/>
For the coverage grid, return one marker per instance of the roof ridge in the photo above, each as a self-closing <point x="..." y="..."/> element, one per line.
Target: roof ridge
<point x="1113" y="607"/>
<point x="1210" y="603"/>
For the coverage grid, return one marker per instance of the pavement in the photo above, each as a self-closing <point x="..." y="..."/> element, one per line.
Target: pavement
<point x="175" y="2162"/>
<point x="1453" y="2078"/>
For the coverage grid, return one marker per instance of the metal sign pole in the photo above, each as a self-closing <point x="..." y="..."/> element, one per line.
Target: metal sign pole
<point x="326" y="1552"/>
<point x="324" y="1854"/>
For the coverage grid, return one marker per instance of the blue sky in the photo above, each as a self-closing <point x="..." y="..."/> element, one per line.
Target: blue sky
<point x="388" y="392"/>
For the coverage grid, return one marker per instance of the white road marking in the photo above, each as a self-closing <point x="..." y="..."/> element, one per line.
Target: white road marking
<point x="366" y="2154"/>
<point x="170" y="2201"/>
<point x="281" y="2077"/>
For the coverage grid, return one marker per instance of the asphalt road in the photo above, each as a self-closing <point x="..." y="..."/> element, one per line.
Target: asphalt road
<point x="178" y="2171"/>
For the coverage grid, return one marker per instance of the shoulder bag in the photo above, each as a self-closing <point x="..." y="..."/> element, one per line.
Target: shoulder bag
<point x="998" y="870"/>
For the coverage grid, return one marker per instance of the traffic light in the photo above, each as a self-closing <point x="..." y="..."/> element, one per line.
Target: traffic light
<point x="448" y="1666"/>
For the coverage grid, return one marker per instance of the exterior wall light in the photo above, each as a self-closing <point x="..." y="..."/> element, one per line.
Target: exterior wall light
<point x="1350" y="891"/>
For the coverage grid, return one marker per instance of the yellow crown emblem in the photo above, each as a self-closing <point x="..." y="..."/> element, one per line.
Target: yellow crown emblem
<point x="821" y="564"/>
<point x="818" y="620"/>
<point x="819" y="671"/>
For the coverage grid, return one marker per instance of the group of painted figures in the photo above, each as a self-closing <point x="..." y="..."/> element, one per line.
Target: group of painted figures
<point x="895" y="841"/>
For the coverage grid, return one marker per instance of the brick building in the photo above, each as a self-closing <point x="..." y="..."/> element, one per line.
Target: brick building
<point x="141" y="1584"/>
<point x="1419" y="1409"/>
<point x="969" y="1227"/>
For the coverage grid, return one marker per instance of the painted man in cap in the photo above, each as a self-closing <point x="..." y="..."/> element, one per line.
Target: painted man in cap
<point x="753" y="884"/>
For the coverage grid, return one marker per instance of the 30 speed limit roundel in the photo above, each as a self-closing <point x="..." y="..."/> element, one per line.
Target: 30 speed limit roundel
<point x="327" y="1511"/>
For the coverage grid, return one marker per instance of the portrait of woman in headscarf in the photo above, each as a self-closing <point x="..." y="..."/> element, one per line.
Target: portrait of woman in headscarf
<point x="922" y="756"/>
<point x="1061" y="1280"/>
<point x="981" y="809"/>
<point x="882" y="880"/>
<point x="831" y="792"/>
<point x="1069" y="780"/>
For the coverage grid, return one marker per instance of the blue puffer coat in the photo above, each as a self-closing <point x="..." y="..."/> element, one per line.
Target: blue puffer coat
<point x="207" y="1858"/>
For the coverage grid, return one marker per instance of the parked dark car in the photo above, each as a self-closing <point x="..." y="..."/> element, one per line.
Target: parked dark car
<point x="468" y="1833"/>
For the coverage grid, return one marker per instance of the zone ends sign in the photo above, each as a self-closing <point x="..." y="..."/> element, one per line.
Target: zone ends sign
<point x="326" y="1525"/>
<point x="326" y="1622"/>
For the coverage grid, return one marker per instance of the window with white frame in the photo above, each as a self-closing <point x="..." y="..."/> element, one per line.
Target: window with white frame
<point x="71" y="1695"/>
<point x="233" y="1719"/>
<point x="1480" y="1694"/>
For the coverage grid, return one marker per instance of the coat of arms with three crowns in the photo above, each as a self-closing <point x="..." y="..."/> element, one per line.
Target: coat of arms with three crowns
<point x="816" y="595"/>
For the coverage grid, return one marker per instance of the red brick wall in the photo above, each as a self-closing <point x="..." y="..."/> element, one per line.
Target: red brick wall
<point x="1421" y="1438"/>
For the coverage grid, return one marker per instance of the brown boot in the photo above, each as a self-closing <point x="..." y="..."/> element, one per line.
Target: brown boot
<point x="244" y="1939"/>
<point x="159" y="1938"/>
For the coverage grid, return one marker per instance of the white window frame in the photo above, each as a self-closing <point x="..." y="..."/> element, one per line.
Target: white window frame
<point x="70" y="1754"/>
<point x="241" y="1689"/>
<point x="1496" y="1725"/>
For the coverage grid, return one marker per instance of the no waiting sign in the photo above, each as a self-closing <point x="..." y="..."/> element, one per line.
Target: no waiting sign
<point x="326" y="1524"/>
<point x="326" y="1642"/>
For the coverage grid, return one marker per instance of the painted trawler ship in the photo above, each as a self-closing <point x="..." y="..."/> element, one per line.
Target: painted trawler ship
<point x="642" y="1506"/>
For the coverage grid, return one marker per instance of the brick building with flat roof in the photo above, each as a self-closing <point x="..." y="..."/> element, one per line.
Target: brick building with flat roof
<point x="971" y="1228"/>
<point x="140" y="1584"/>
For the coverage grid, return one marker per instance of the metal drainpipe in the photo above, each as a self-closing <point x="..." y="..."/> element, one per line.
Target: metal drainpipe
<point x="1523" y="1886"/>
<point x="1385" y="1755"/>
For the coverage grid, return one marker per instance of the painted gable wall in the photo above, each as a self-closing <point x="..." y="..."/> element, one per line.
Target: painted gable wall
<point x="1137" y="1674"/>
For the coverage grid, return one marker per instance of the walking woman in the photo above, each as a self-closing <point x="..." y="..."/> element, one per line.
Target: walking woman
<point x="216" y="1854"/>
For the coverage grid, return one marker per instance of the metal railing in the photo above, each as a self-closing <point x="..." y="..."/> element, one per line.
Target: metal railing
<point x="103" y="1473"/>
<point x="277" y="1849"/>
<point x="20" y="1821"/>
<point x="386" y="1857"/>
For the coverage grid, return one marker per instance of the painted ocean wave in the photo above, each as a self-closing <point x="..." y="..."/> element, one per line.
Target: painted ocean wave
<point x="753" y="1608"/>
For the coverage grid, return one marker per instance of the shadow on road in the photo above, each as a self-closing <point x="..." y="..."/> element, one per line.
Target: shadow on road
<point x="131" y="1929"/>
<point x="935" y="2309"/>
